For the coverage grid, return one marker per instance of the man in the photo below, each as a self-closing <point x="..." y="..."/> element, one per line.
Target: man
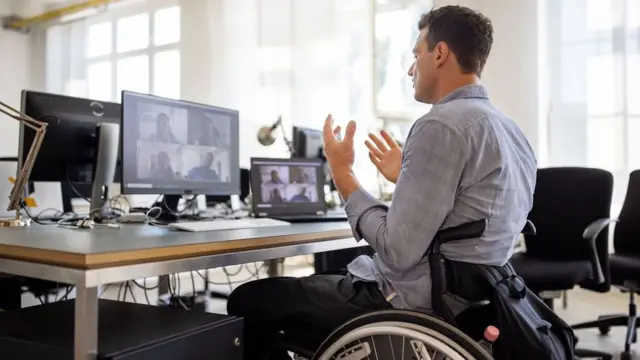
<point x="462" y="161"/>
<point x="275" y="197"/>
<point x="204" y="172"/>
<point x="163" y="132"/>
<point x="163" y="170"/>
<point x="275" y="178"/>
<point x="301" y="196"/>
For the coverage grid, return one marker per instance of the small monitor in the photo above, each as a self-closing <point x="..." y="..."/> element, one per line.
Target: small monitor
<point x="287" y="186"/>
<point x="307" y="143"/>
<point x="69" y="149"/>
<point x="174" y="147"/>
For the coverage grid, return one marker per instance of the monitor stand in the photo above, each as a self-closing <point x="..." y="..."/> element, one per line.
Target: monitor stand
<point x="169" y="208"/>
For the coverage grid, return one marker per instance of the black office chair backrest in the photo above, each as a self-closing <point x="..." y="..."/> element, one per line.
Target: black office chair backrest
<point x="626" y="238"/>
<point x="565" y="202"/>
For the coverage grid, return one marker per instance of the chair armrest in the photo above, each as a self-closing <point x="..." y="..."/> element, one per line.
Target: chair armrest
<point x="590" y="234"/>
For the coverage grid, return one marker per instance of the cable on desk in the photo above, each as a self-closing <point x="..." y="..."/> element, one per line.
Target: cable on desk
<point x="35" y="218"/>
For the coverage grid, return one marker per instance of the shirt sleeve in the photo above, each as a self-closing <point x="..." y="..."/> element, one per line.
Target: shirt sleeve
<point x="433" y="160"/>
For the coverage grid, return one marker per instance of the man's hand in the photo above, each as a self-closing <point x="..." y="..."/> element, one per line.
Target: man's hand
<point x="386" y="156"/>
<point x="340" y="154"/>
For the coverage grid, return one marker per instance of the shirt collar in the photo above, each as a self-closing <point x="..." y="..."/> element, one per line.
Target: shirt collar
<point x="466" y="92"/>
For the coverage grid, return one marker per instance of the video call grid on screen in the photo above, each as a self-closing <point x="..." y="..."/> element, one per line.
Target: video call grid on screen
<point x="287" y="186"/>
<point x="177" y="147"/>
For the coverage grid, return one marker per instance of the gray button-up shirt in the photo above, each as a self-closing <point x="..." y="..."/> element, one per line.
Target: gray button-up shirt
<point x="462" y="161"/>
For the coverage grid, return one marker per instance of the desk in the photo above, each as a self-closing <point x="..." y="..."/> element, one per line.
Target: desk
<point x="90" y="258"/>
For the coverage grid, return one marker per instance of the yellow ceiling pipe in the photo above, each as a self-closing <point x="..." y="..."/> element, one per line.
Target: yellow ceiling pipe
<point x="57" y="13"/>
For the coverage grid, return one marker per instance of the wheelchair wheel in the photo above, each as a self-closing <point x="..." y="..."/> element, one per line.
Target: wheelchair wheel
<point x="399" y="335"/>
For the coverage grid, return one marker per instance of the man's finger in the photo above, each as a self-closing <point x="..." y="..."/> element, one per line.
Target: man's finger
<point x="336" y="131"/>
<point x="327" y="130"/>
<point x="372" y="149"/>
<point x="350" y="132"/>
<point x="389" y="139"/>
<point x="374" y="160"/>
<point x="381" y="146"/>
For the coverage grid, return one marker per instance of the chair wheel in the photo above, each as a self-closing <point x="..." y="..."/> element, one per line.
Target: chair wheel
<point x="625" y="355"/>
<point x="604" y="330"/>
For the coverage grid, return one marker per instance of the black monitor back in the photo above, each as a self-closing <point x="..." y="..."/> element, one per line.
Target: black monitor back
<point x="69" y="148"/>
<point x="307" y="143"/>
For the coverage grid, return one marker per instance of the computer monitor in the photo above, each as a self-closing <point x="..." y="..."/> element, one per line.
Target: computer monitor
<point x="307" y="143"/>
<point x="173" y="147"/>
<point x="69" y="149"/>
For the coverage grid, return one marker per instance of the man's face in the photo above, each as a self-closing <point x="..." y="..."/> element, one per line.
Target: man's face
<point x="207" y="161"/>
<point x="274" y="176"/>
<point x="425" y="68"/>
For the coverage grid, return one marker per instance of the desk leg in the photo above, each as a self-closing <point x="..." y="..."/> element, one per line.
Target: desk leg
<point x="85" y="341"/>
<point x="275" y="267"/>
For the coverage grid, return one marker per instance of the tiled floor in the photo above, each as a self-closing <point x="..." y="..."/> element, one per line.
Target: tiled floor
<point x="582" y="305"/>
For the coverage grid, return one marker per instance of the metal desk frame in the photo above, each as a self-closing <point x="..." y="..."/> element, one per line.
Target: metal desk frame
<point x="88" y="281"/>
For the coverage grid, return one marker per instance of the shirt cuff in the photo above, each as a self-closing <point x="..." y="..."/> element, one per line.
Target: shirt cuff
<point x="359" y="203"/>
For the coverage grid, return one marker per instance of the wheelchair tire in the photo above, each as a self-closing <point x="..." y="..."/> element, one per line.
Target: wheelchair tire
<point x="414" y="321"/>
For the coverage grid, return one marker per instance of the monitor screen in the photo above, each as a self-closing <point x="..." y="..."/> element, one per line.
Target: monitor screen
<point x="287" y="186"/>
<point x="176" y="147"/>
<point x="68" y="151"/>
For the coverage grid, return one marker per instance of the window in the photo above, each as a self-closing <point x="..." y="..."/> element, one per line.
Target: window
<point x="99" y="81"/>
<point x="133" y="47"/>
<point x="133" y="74"/>
<point x="594" y="58"/>
<point x="166" y="81"/>
<point x="393" y="57"/>
<point x="169" y="31"/>
<point x="99" y="40"/>
<point x="133" y="33"/>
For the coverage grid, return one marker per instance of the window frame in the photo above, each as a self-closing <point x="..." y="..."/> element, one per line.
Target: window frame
<point x="120" y="11"/>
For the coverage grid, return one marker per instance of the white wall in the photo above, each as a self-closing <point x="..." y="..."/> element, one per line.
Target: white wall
<point x="22" y="66"/>
<point x="14" y="76"/>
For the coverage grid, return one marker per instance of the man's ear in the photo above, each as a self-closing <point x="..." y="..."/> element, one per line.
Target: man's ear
<point x="441" y="53"/>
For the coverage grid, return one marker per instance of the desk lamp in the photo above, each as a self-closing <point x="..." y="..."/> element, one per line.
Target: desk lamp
<point x="267" y="138"/>
<point x="18" y="192"/>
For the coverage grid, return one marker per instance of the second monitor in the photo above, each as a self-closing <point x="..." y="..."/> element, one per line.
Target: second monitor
<point x="173" y="147"/>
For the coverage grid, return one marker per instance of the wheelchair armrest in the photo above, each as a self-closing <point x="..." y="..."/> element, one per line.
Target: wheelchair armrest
<point x="468" y="230"/>
<point x="590" y="234"/>
<point x="529" y="228"/>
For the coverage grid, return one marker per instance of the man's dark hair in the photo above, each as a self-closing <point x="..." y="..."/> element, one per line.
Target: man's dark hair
<point x="468" y="33"/>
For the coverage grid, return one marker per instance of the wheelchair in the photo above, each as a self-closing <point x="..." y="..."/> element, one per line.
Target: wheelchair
<point x="401" y="334"/>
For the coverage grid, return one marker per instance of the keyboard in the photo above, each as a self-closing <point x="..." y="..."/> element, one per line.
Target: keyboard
<point x="213" y="225"/>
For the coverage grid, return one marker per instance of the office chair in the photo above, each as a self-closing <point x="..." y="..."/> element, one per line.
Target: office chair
<point x="624" y="265"/>
<point x="571" y="210"/>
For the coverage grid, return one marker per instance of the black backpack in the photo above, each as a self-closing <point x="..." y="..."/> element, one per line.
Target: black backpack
<point x="529" y="328"/>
